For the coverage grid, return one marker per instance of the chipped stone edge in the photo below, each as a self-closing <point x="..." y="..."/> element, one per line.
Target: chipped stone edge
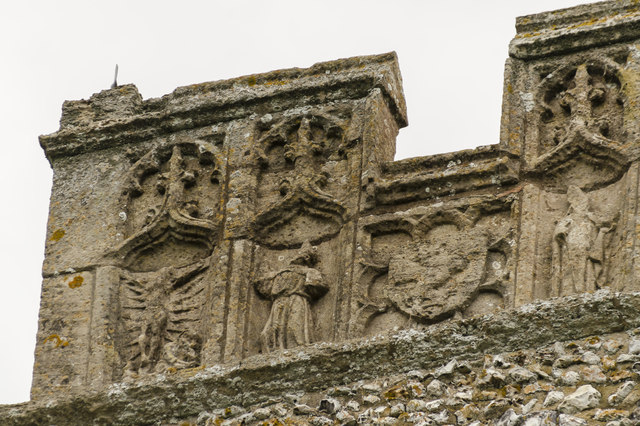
<point x="317" y="367"/>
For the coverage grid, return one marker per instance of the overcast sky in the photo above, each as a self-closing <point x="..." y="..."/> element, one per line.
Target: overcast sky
<point x="451" y="57"/>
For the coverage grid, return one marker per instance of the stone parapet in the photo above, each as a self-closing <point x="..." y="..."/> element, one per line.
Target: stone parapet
<point x="121" y="117"/>
<point x="234" y="241"/>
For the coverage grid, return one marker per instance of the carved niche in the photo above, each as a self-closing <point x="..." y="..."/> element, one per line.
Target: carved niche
<point x="580" y="174"/>
<point x="581" y="125"/>
<point x="170" y="222"/>
<point x="296" y="156"/>
<point x="439" y="264"/>
<point x="303" y="161"/>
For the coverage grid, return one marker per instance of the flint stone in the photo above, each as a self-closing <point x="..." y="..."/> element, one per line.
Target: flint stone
<point x="552" y="398"/>
<point x="634" y="347"/>
<point x="446" y="370"/>
<point x="542" y="418"/>
<point x="584" y="398"/>
<point x="436" y="388"/>
<point x="568" y="420"/>
<point x="621" y="393"/>
<point x="521" y="375"/>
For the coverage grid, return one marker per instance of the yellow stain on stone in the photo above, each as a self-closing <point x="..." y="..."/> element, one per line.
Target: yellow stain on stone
<point x="55" y="338"/>
<point x="76" y="282"/>
<point x="276" y="83"/>
<point x="57" y="235"/>
<point x="588" y="23"/>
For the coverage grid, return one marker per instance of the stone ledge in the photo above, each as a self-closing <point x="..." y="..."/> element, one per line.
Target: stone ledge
<point x="443" y="175"/>
<point x="257" y="379"/>
<point x="575" y="28"/>
<point x="119" y="116"/>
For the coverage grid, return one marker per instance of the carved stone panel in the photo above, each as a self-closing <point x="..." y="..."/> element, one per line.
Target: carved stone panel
<point x="171" y="207"/>
<point x="171" y="214"/>
<point x="576" y="241"/>
<point x="581" y="127"/>
<point x="160" y="315"/>
<point x="428" y="265"/>
<point x="296" y="155"/>
<point x="588" y="93"/>
<point x="577" y="223"/>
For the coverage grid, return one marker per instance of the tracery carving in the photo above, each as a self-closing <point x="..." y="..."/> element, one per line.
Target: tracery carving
<point x="581" y="130"/>
<point x="171" y="200"/>
<point x="299" y="138"/>
<point x="291" y="289"/>
<point x="589" y="93"/>
<point x="293" y="152"/>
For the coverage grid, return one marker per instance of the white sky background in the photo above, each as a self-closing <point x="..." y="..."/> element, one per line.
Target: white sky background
<point x="451" y="57"/>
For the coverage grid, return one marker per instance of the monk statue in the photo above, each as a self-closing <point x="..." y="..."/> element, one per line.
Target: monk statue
<point x="291" y="289"/>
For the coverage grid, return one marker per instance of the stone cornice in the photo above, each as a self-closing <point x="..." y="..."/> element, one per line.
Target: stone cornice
<point x="576" y="28"/>
<point x="442" y="175"/>
<point x="119" y="116"/>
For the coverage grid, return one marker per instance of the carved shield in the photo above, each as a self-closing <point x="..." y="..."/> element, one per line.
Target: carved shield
<point x="439" y="274"/>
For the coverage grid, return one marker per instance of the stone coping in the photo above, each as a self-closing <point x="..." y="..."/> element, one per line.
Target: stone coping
<point x="444" y="175"/>
<point x="119" y="116"/>
<point x="261" y="378"/>
<point x="576" y="28"/>
<point x="444" y="160"/>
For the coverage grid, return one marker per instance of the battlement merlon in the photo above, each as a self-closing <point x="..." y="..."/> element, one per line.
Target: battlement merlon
<point x="576" y="28"/>
<point x="120" y="116"/>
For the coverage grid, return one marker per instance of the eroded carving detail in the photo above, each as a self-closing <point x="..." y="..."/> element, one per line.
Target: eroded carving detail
<point x="579" y="245"/>
<point x="171" y="219"/>
<point x="435" y="266"/>
<point x="292" y="156"/>
<point x="589" y="93"/>
<point x="172" y="202"/>
<point x="160" y="310"/>
<point x="581" y="131"/>
<point x="439" y="274"/>
<point x="292" y="289"/>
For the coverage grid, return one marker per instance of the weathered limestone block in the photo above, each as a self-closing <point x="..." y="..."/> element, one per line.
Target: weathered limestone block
<point x="64" y="333"/>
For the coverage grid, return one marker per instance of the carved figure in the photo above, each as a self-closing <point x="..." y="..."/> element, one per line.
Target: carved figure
<point x="181" y="353"/>
<point x="153" y="297"/>
<point x="578" y="248"/>
<point x="292" y="289"/>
